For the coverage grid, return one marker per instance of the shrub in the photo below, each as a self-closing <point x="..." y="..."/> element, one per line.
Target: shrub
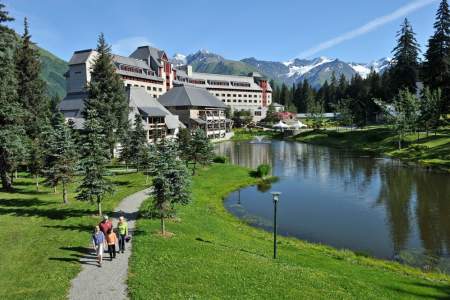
<point x="263" y="170"/>
<point x="220" y="159"/>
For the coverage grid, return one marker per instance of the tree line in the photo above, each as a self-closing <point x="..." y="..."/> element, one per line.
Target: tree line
<point x="361" y="97"/>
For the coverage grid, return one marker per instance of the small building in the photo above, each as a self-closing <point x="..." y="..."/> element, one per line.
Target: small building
<point x="158" y="122"/>
<point x="285" y="115"/>
<point x="277" y="107"/>
<point x="197" y="108"/>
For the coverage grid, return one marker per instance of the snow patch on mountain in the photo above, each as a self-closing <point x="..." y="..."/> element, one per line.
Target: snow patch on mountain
<point x="298" y="69"/>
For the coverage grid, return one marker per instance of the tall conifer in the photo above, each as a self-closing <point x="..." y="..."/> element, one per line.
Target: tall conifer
<point x="404" y="71"/>
<point x="106" y="95"/>
<point x="436" y="71"/>
<point x="12" y="134"/>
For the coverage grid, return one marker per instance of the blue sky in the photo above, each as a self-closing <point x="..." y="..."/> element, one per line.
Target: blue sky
<point x="352" y="30"/>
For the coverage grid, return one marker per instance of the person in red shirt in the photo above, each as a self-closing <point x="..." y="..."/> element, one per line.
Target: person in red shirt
<point x="105" y="225"/>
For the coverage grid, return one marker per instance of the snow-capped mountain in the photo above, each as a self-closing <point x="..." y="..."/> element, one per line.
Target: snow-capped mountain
<point x="179" y="59"/>
<point x="378" y="66"/>
<point x="316" y="71"/>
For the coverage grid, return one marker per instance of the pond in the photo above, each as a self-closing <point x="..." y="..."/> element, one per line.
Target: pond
<point x="373" y="206"/>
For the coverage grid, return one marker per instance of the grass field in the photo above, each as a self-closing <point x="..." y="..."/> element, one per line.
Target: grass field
<point x="43" y="239"/>
<point x="212" y="255"/>
<point x="432" y="150"/>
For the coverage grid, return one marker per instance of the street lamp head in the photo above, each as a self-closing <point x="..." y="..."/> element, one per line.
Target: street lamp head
<point x="276" y="196"/>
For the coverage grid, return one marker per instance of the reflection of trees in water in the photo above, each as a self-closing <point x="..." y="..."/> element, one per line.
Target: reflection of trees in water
<point x="398" y="186"/>
<point x="395" y="194"/>
<point x="433" y="212"/>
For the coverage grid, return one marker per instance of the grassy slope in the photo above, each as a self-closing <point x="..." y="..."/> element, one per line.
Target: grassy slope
<point x="214" y="255"/>
<point x="241" y="134"/>
<point x="431" y="151"/>
<point x="43" y="239"/>
<point x="53" y="69"/>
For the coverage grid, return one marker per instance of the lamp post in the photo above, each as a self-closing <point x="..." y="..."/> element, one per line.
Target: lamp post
<point x="238" y="153"/>
<point x="276" y="198"/>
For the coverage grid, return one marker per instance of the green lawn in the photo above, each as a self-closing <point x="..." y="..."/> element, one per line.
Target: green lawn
<point x="43" y="239"/>
<point x="214" y="256"/>
<point x="432" y="150"/>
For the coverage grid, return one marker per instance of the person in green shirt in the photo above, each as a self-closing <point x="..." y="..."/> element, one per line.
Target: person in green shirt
<point x="122" y="228"/>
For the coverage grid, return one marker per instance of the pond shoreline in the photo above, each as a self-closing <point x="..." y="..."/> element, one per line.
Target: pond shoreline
<point x="217" y="249"/>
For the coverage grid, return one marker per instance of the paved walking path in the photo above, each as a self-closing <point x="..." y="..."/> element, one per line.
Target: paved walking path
<point x="109" y="281"/>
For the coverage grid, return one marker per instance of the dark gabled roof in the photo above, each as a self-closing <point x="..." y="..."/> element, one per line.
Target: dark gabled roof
<point x="80" y="57"/>
<point x="190" y="96"/>
<point x="152" y="111"/>
<point x="73" y="104"/>
<point x="130" y="61"/>
<point x="148" y="52"/>
<point x="141" y="99"/>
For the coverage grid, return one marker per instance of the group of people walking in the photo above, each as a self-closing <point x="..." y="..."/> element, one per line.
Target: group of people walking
<point x="105" y="237"/>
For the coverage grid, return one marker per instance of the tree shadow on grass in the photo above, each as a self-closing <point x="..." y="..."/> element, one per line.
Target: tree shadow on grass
<point x="51" y="213"/>
<point x="78" y="227"/>
<point x="442" y="289"/>
<point x="14" y="202"/>
<point x="121" y="183"/>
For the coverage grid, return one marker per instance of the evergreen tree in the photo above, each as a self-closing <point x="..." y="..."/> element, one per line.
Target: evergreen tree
<point x="184" y="143"/>
<point x="436" y="71"/>
<point x="61" y="157"/>
<point x="171" y="181"/>
<point x="94" y="157"/>
<point x="406" y="114"/>
<point x="405" y="67"/>
<point x="12" y="133"/>
<point x="31" y="92"/>
<point x="284" y="95"/>
<point x="126" y="153"/>
<point x="106" y="95"/>
<point x="430" y="109"/>
<point x="138" y="143"/>
<point x="200" y="149"/>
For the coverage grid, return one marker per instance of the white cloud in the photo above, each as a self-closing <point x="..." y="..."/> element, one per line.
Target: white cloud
<point x="128" y="45"/>
<point x="368" y="27"/>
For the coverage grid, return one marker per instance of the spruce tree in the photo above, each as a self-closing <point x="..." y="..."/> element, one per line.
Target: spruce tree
<point x="183" y="142"/>
<point x="106" y="95"/>
<point x="171" y="181"/>
<point x="200" y="149"/>
<point x="31" y="92"/>
<point x="436" y="71"/>
<point x="404" y="71"/>
<point x="61" y="157"/>
<point x="126" y="153"/>
<point x="94" y="157"/>
<point x="12" y="133"/>
<point x="138" y="143"/>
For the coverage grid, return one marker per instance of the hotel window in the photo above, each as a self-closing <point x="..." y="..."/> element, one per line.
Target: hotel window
<point x="148" y="88"/>
<point x="136" y="85"/>
<point x="223" y="95"/>
<point x="154" y="96"/>
<point x="234" y="95"/>
<point x="239" y="100"/>
<point x="245" y="101"/>
<point x="228" y="95"/>
<point x="160" y="89"/>
<point x="154" y="89"/>
<point x="255" y="101"/>
<point x="240" y="95"/>
<point x="234" y="100"/>
<point x="245" y="95"/>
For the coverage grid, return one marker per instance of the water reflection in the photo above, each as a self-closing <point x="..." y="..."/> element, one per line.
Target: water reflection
<point x="348" y="200"/>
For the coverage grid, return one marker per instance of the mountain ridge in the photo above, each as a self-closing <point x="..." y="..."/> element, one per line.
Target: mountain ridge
<point x="316" y="70"/>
